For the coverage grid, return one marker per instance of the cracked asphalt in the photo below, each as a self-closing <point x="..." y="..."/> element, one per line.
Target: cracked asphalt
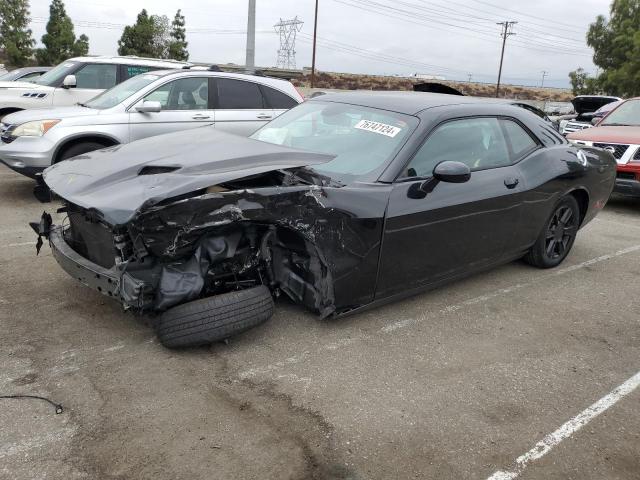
<point x="451" y="384"/>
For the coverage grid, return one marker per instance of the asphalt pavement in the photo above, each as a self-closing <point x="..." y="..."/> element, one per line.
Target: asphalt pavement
<point x="495" y="376"/>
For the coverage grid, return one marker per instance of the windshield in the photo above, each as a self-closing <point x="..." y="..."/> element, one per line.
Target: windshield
<point x="121" y="92"/>
<point x="55" y="76"/>
<point x="362" y="139"/>
<point x="626" y="114"/>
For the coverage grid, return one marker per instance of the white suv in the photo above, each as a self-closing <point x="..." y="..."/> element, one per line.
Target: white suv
<point x="75" y="81"/>
<point x="150" y="104"/>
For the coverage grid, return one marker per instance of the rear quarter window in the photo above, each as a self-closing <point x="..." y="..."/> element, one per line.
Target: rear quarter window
<point x="277" y="100"/>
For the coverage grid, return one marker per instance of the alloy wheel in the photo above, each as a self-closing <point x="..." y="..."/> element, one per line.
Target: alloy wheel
<point x="560" y="232"/>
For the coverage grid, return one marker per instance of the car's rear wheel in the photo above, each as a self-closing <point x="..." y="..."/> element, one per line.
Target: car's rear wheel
<point x="79" y="149"/>
<point x="557" y="236"/>
<point x="212" y="319"/>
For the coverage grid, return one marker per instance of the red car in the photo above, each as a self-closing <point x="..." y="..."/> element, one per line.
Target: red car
<point x="618" y="133"/>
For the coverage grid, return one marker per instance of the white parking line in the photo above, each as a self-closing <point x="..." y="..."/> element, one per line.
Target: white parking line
<point x="20" y="244"/>
<point x="545" y="445"/>
<point x="503" y="291"/>
<point x="252" y="372"/>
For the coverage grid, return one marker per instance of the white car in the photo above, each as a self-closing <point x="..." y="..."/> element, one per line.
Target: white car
<point x="150" y="104"/>
<point x="75" y="81"/>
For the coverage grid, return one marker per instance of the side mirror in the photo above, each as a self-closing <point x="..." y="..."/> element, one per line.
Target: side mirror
<point x="447" y="171"/>
<point x="149" y="107"/>
<point x="452" y="172"/>
<point x="595" y="120"/>
<point x="69" y="82"/>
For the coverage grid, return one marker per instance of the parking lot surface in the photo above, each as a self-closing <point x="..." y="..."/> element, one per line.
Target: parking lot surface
<point x="456" y="383"/>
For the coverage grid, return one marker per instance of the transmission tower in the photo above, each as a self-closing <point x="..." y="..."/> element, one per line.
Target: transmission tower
<point x="287" y="29"/>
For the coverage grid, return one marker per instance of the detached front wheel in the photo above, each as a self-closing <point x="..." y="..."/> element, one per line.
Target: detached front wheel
<point x="216" y="318"/>
<point x="557" y="237"/>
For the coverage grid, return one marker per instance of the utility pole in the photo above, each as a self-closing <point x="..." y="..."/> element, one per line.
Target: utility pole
<point x="470" y="75"/>
<point x="544" y="74"/>
<point x="250" y="61"/>
<point x="507" y="30"/>
<point x="313" y="58"/>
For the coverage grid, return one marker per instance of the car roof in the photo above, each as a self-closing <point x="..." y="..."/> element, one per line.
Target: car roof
<point x="130" y="60"/>
<point x="188" y="72"/>
<point x="407" y="102"/>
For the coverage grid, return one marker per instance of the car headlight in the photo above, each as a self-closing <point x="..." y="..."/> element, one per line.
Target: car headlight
<point x="34" y="129"/>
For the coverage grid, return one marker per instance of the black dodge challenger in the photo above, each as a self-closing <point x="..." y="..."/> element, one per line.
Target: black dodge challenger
<point x="342" y="203"/>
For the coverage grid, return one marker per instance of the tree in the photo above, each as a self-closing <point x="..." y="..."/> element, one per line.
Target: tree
<point x="148" y="37"/>
<point x="15" y="36"/>
<point x="60" y="40"/>
<point x="582" y="83"/>
<point x="616" y="46"/>
<point x="178" y="44"/>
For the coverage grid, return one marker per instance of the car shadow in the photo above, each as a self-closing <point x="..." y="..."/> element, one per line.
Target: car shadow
<point x="624" y="204"/>
<point x="16" y="188"/>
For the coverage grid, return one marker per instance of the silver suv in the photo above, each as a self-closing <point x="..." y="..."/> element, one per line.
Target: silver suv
<point x="149" y="104"/>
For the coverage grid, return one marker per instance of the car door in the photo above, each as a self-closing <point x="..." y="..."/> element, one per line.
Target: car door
<point x="185" y="104"/>
<point x="457" y="227"/>
<point x="91" y="79"/>
<point x="240" y="106"/>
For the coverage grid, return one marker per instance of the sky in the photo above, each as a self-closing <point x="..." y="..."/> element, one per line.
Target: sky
<point x="448" y="38"/>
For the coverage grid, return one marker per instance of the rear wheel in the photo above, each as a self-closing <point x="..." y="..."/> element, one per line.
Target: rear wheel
<point x="79" y="149"/>
<point x="557" y="237"/>
<point x="216" y="318"/>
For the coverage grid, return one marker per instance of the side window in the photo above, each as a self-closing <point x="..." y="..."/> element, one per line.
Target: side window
<point x="277" y="100"/>
<point x="96" y="75"/>
<point x="238" y="94"/>
<point x="521" y="142"/>
<point x="183" y="94"/>
<point x="30" y="75"/>
<point x="129" y="71"/>
<point x="478" y="142"/>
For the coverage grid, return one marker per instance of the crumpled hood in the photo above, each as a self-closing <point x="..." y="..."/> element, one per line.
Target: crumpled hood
<point x="109" y="180"/>
<point x="31" y="115"/>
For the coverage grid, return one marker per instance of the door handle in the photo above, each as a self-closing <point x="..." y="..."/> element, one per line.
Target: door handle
<point x="201" y="117"/>
<point x="511" y="182"/>
<point x="264" y="116"/>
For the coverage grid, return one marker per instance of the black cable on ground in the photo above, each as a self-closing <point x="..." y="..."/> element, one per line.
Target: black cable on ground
<point x="57" y="406"/>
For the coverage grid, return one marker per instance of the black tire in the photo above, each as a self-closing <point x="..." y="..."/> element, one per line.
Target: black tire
<point x="557" y="236"/>
<point x="212" y="319"/>
<point x="79" y="149"/>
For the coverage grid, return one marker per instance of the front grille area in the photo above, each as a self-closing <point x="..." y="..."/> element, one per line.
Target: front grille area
<point x="91" y="239"/>
<point x="618" y="150"/>
<point x="626" y="175"/>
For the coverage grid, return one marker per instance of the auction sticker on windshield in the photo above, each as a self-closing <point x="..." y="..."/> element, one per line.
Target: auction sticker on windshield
<point x="376" y="127"/>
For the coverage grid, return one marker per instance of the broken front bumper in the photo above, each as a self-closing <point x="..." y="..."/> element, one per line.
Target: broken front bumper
<point x="105" y="281"/>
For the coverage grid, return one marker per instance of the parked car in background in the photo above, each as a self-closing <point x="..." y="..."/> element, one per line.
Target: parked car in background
<point x="344" y="202"/>
<point x="75" y="80"/>
<point x="24" y="74"/>
<point x="147" y="105"/>
<point x="619" y="134"/>
<point x="585" y="106"/>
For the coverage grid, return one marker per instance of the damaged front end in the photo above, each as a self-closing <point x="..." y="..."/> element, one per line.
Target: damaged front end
<point x="156" y="233"/>
<point x="216" y="240"/>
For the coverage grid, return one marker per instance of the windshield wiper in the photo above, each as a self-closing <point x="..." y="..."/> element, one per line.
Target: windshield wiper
<point x="617" y="125"/>
<point x="83" y="105"/>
